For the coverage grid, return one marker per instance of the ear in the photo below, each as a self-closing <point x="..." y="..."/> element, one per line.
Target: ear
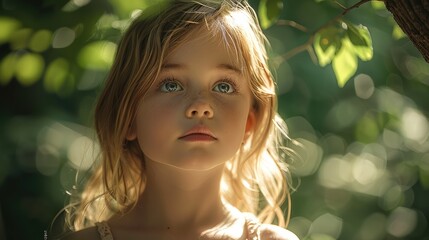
<point x="131" y="133"/>
<point x="250" y="124"/>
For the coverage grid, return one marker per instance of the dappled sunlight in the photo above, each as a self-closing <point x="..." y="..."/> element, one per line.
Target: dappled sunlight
<point x="387" y="160"/>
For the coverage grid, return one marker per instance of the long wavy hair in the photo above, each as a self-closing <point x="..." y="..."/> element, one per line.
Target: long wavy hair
<point x="255" y="180"/>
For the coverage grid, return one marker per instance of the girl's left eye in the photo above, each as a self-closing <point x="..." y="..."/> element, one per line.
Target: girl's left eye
<point x="224" y="87"/>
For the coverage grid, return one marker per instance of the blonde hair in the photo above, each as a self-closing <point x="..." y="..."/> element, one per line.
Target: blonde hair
<point x="255" y="180"/>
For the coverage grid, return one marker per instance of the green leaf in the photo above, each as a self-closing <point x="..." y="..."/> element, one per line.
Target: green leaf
<point x="361" y="39"/>
<point x="397" y="32"/>
<point x="269" y="11"/>
<point x="326" y="43"/>
<point x="378" y="5"/>
<point x="345" y="63"/>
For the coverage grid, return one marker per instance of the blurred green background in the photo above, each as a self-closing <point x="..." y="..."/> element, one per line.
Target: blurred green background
<point x="363" y="170"/>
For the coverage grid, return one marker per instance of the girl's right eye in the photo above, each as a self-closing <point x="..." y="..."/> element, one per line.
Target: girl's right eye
<point x="170" y="86"/>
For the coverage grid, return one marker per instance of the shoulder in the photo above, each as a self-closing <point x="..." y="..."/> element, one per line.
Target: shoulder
<point x="272" y="232"/>
<point x="84" y="234"/>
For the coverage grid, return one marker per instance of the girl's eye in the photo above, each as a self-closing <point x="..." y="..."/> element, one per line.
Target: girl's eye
<point x="224" y="87"/>
<point x="170" y="86"/>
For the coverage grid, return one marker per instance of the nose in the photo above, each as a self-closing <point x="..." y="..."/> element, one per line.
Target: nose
<point x="199" y="108"/>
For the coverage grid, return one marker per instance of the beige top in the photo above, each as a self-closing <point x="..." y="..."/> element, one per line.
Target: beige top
<point x="252" y="226"/>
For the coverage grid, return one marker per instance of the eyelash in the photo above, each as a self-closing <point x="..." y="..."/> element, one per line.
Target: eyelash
<point x="223" y="80"/>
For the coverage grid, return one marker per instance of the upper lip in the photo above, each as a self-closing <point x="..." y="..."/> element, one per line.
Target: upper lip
<point x="199" y="129"/>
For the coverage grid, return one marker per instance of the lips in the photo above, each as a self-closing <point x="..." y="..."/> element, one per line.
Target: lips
<point x="198" y="133"/>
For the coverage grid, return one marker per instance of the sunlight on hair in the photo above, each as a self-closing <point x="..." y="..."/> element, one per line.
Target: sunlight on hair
<point x="238" y="19"/>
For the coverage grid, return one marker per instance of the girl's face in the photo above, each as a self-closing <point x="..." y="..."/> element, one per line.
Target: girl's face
<point x="197" y="113"/>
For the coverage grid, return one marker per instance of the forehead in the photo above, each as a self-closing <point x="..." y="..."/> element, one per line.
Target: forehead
<point x="203" y="46"/>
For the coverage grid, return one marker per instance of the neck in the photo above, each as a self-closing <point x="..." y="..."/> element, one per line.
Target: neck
<point x="177" y="198"/>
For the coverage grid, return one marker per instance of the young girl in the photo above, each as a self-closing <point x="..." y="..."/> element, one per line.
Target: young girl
<point x="191" y="143"/>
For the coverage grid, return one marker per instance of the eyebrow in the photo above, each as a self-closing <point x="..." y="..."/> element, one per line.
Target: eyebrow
<point x="222" y="66"/>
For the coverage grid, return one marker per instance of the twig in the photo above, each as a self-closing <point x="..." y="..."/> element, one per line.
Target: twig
<point x="292" y="24"/>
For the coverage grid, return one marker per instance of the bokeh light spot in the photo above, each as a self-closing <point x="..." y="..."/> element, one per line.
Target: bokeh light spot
<point x="40" y="41"/>
<point x="97" y="55"/>
<point x="414" y="125"/>
<point x="63" y="37"/>
<point x="364" y="86"/>
<point x="82" y="153"/>
<point x="327" y="224"/>
<point x="29" y="68"/>
<point x="56" y="74"/>
<point x="401" y="222"/>
<point x="7" y="27"/>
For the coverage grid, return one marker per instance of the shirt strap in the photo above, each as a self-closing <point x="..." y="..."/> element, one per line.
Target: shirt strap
<point x="104" y="231"/>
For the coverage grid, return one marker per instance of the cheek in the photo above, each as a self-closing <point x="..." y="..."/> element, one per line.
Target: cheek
<point x="155" y="125"/>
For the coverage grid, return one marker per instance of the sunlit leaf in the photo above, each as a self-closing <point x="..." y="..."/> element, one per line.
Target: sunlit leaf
<point x="56" y="74"/>
<point x="269" y="11"/>
<point x="7" y="68"/>
<point x="40" y="41"/>
<point x="397" y="32"/>
<point x="7" y="27"/>
<point x="326" y="45"/>
<point x="345" y="63"/>
<point x="97" y="55"/>
<point x="29" y="68"/>
<point x="361" y="39"/>
<point x="378" y="5"/>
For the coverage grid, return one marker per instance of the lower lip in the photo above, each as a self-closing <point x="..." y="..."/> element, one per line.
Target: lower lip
<point x="198" y="137"/>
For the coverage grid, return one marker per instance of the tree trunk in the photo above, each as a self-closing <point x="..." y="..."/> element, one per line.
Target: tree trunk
<point x="413" y="18"/>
